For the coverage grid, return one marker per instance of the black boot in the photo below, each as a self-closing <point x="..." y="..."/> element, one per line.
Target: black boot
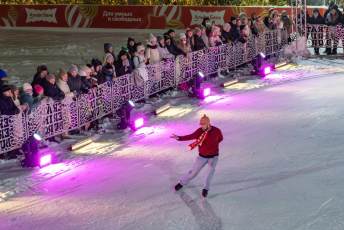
<point x="316" y="51"/>
<point x="334" y="51"/>
<point x="204" y="193"/>
<point x="178" y="186"/>
<point x="328" y="51"/>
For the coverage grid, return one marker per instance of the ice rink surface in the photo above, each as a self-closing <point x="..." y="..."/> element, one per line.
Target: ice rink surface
<point x="281" y="163"/>
<point x="281" y="167"/>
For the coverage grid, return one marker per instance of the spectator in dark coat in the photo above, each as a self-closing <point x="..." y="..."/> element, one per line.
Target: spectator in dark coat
<point x="333" y="18"/>
<point x="97" y="66"/>
<point x="244" y="33"/>
<point x="131" y="47"/>
<point x="235" y="30"/>
<point x="268" y="19"/>
<point x="330" y="6"/>
<point x="198" y="43"/>
<point x="172" y="34"/>
<point x="51" y="89"/>
<point x="233" y="21"/>
<point x="206" y="23"/>
<point x="85" y="74"/>
<point x="75" y="82"/>
<point x="225" y="34"/>
<point x="26" y="96"/>
<point x="316" y="32"/>
<point x="7" y="106"/>
<point x="108" y="72"/>
<point x="123" y="65"/>
<point x="39" y="78"/>
<point x="3" y="75"/>
<point x="172" y="48"/>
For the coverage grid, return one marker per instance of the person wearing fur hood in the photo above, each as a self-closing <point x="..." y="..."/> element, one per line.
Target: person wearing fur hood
<point x="183" y="44"/>
<point x="140" y="71"/>
<point x="62" y="76"/>
<point x="152" y="53"/>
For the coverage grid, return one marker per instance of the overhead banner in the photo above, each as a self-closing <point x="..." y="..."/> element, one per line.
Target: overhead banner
<point x="117" y="17"/>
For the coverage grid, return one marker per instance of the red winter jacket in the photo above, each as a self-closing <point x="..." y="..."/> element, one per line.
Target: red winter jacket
<point x="210" y="146"/>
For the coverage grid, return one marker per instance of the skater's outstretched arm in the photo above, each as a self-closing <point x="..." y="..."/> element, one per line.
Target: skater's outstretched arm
<point x="192" y="136"/>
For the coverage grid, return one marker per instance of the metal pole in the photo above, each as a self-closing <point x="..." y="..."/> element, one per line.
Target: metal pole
<point x="305" y="10"/>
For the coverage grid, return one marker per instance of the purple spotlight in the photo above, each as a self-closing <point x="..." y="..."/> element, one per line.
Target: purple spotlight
<point x="267" y="70"/>
<point x="206" y="92"/>
<point x="138" y="123"/>
<point x="45" y="160"/>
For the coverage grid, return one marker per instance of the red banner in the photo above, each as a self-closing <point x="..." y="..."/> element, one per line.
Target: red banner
<point x="130" y="17"/>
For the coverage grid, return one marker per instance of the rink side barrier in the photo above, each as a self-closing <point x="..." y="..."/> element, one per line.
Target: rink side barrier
<point x="51" y="118"/>
<point x="323" y="36"/>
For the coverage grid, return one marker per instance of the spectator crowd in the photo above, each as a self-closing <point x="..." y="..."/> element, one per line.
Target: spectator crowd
<point x="133" y="58"/>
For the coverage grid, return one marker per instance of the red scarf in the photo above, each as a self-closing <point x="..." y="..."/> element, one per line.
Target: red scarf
<point x="199" y="140"/>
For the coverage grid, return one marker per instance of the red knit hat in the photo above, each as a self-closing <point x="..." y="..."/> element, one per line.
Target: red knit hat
<point x="38" y="89"/>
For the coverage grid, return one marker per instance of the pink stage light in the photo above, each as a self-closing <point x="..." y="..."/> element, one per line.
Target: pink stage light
<point x="206" y="92"/>
<point x="266" y="70"/>
<point x="45" y="160"/>
<point x="138" y="123"/>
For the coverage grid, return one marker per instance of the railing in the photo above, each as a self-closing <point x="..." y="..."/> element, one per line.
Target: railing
<point x="51" y="118"/>
<point x="322" y="36"/>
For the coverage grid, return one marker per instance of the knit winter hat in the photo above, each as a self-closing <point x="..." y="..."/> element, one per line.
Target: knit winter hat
<point x="109" y="58"/>
<point x="182" y="36"/>
<point x="27" y="87"/>
<point x="125" y="49"/>
<point x="38" y="89"/>
<point x="50" y="77"/>
<point x="3" y="73"/>
<point x="84" y="71"/>
<point x="205" y="120"/>
<point x="107" y="46"/>
<point x="242" y="15"/>
<point x="73" y="68"/>
<point x="170" y="31"/>
<point x="5" y="88"/>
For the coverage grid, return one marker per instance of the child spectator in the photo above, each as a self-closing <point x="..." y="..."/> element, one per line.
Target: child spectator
<point x="183" y="45"/>
<point x="152" y="52"/>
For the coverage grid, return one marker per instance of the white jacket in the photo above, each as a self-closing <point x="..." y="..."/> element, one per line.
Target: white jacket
<point x="152" y="54"/>
<point x="164" y="53"/>
<point x="63" y="86"/>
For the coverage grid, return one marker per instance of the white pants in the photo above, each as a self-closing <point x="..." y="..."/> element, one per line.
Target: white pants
<point x="199" y="163"/>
